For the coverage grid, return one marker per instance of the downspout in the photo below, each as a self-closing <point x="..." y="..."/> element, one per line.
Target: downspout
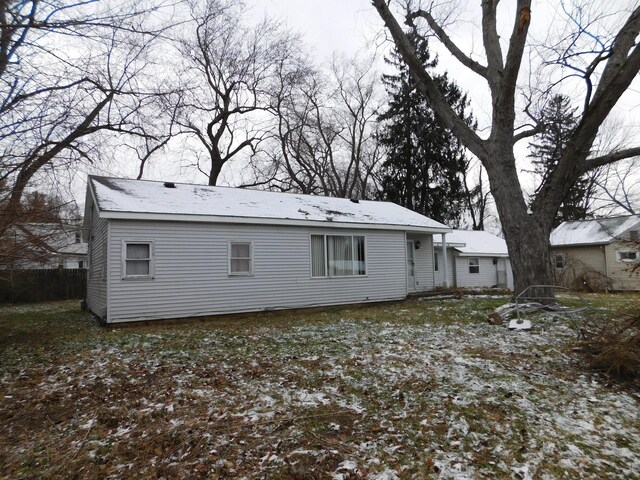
<point x="445" y="267"/>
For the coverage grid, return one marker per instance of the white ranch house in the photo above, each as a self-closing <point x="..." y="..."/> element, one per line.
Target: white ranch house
<point x="475" y="259"/>
<point x="163" y="250"/>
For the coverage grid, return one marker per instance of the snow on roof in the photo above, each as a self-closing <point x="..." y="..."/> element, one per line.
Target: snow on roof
<point x="121" y="198"/>
<point x="476" y="242"/>
<point x="592" y="232"/>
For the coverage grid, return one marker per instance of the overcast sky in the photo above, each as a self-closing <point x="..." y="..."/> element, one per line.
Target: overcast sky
<point x="328" y="25"/>
<point x="351" y="26"/>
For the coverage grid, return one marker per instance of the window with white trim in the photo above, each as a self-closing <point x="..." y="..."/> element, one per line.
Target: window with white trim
<point x="137" y="259"/>
<point x="627" y="256"/>
<point x="338" y="256"/>
<point x="435" y="261"/>
<point x="559" y="261"/>
<point x="474" y="265"/>
<point x="240" y="258"/>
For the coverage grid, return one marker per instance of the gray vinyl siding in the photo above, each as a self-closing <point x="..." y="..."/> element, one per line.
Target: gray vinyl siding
<point x="488" y="276"/>
<point x="509" y="274"/>
<point x="97" y="268"/>
<point x="191" y="270"/>
<point x="424" y="262"/>
<point x="451" y="270"/>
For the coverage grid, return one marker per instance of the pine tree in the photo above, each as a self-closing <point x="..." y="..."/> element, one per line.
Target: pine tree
<point x="425" y="164"/>
<point x="560" y="121"/>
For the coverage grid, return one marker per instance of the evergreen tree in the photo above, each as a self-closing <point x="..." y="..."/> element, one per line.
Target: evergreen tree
<point x="425" y="164"/>
<point x="560" y="121"/>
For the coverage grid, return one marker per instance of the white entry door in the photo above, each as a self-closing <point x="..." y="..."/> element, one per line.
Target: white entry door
<point x="411" y="267"/>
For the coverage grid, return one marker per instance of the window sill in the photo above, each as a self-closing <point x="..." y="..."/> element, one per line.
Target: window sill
<point x="138" y="278"/>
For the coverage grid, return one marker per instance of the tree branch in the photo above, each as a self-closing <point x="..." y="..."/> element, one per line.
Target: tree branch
<point x="612" y="157"/>
<point x="427" y="86"/>
<point x="447" y="42"/>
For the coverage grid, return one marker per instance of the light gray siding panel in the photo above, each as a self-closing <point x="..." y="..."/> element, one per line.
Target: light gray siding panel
<point x="96" y="274"/>
<point x="191" y="270"/>
<point x="509" y="275"/>
<point x="488" y="276"/>
<point x="451" y="268"/>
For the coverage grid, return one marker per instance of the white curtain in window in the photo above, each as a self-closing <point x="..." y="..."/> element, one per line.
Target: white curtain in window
<point x="340" y="252"/>
<point x="137" y="251"/>
<point x="240" y="261"/>
<point x="240" y="250"/>
<point x="318" y="262"/>
<point x="138" y="257"/>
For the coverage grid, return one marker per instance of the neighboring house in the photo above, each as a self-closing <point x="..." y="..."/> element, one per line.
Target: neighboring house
<point x="477" y="259"/>
<point x="164" y="250"/>
<point x="33" y="246"/>
<point x="597" y="254"/>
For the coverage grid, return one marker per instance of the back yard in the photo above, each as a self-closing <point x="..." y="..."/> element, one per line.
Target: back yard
<point x="420" y="389"/>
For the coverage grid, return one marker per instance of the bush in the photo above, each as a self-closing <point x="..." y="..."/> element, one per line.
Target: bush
<point x="612" y="346"/>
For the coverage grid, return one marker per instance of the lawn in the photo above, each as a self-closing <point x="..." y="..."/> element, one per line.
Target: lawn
<point x="419" y="389"/>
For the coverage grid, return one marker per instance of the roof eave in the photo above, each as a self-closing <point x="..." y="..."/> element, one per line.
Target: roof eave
<point x="593" y="244"/>
<point x="265" y="221"/>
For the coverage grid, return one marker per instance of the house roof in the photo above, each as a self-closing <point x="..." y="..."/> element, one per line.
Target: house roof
<point x="597" y="231"/>
<point x="471" y="243"/>
<point x="144" y="199"/>
<point x="53" y="237"/>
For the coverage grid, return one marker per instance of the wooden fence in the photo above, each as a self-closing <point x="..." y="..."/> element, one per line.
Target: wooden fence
<point x="24" y="286"/>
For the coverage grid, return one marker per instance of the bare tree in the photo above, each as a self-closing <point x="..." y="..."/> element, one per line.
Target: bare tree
<point x="607" y="70"/>
<point x="619" y="188"/>
<point x="230" y="75"/>
<point x="326" y="133"/>
<point x="477" y="196"/>
<point x="69" y="72"/>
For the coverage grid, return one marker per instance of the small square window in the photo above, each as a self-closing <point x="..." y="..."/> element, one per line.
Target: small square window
<point x="240" y="258"/>
<point x="137" y="260"/>
<point x="474" y="265"/>
<point x="559" y="261"/>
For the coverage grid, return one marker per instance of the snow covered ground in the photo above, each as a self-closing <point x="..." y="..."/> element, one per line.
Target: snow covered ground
<point x="422" y="389"/>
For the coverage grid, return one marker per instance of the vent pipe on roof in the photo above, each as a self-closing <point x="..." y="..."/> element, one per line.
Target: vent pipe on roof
<point x="169" y="185"/>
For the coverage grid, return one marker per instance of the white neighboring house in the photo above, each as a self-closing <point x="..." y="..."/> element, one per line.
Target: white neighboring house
<point x="46" y="246"/>
<point x="597" y="254"/>
<point x="478" y="259"/>
<point x="163" y="250"/>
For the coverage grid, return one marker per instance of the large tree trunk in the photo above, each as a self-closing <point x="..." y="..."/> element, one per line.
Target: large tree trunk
<point x="526" y="234"/>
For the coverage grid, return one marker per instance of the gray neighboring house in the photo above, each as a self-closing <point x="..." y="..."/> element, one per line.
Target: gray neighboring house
<point x="597" y="254"/>
<point x="163" y="250"/>
<point x="37" y="246"/>
<point x="477" y="259"/>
